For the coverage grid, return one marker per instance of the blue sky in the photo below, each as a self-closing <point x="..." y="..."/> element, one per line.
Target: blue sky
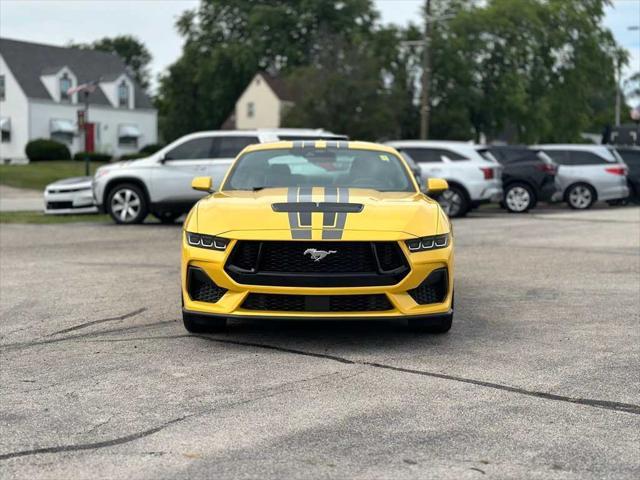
<point x="60" y="21"/>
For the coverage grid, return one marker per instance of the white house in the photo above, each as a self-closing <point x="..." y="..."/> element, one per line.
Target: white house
<point x="34" y="80"/>
<point x="261" y="105"/>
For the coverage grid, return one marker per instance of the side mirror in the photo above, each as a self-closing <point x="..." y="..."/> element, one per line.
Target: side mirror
<point x="437" y="185"/>
<point x="203" y="184"/>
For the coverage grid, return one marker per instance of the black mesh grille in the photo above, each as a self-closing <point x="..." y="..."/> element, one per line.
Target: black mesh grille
<point x="59" y="205"/>
<point x="317" y="303"/>
<point x="201" y="288"/>
<point x="292" y="263"/>
<point x="433" y="289"/>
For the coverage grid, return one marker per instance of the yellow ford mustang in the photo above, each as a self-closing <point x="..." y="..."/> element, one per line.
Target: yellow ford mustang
<point x="320" y="230"/>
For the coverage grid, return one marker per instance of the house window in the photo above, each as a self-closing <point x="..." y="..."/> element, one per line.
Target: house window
<point x="123" y="94"/>
<point x="1" y="87"/>
<point x="128" y="136"/>
<point x="251" y="109"/>
<point x="65" y="85"/>
<point x="5" y="127"/>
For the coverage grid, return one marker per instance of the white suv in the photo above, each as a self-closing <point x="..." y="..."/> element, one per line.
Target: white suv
<point x="472" y="179"/>
<point x="161" y="183"/>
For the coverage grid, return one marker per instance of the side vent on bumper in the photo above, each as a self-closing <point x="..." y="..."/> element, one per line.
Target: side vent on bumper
<point x="433" y="289"/>
<point x="201" y="288"/>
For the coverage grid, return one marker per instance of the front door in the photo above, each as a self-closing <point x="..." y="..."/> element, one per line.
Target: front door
<point x="171" y="179"/>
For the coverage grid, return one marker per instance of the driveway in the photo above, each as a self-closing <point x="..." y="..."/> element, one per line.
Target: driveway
<point x="20" y="199"/>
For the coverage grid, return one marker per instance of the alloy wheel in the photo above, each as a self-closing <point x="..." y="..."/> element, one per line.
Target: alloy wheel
<point x="125" y="204"/>
<point x="451" y="202"/>
<point x="518" y="199"/>
<point x="580" y="197"/>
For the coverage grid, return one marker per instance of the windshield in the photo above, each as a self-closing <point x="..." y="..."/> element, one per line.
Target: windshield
<point x="319" y="168"/>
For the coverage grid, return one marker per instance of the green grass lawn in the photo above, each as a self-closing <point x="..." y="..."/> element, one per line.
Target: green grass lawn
<point x="37" y="175"/>
<point x="41" y="218"/>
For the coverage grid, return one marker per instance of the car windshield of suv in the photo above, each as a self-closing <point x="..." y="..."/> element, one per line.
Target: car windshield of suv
<point x="349" y="168"/>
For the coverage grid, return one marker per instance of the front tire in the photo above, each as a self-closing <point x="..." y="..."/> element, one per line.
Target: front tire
<point x="195" y="323"/>
<point x="580" y="196"/>
<point x="427" y="325"/>
<point x="519" y="198"/>
<point x="454" y="202"/>
<point x="127" y="204"/>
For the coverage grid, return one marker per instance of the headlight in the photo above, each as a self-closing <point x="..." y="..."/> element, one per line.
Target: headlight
<point x="428" y="243"/>
<point x="206" y="241"/>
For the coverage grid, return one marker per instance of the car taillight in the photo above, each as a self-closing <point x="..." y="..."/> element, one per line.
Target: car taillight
<point x="488" y="172"/>
<point x="616" y="170"/>
<point x="547" y="168"/>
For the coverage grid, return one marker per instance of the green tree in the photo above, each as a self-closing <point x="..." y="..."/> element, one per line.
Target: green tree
<point x="228" y="41"/>
<point x="132" y="51"/>
<point x="542" y="70"/>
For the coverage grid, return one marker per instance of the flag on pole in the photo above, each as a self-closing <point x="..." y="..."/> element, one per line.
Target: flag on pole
<point x="85" y="87"/>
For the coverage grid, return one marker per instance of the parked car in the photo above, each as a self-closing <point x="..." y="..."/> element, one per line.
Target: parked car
<point x="71" y="195"/>
<point x="631" y="156"/>
<point x="161" y="183"/>
<point x="588" y="173"/>
<point x="379" y="252"/>
<point x="528" y="176"/>
<point x="472" y="179"/>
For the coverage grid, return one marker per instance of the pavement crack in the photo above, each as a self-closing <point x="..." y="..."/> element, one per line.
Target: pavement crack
<point x="102" y="320"/>
<point x="605" y="404"/>
<point x="21" y="345"/>
<point x="269" y="393"/>
<point x="95" y="445"/>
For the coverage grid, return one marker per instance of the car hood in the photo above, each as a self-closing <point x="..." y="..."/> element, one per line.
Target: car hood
<point x="75" y="182"/>
<point x="319" y="213"/>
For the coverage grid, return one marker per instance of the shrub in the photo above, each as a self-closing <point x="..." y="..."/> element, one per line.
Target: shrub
<point x="151" y="148"/>
<point x="93" y="156"/>
<point x="133" y="156"/>
<point x="43" y="149"/>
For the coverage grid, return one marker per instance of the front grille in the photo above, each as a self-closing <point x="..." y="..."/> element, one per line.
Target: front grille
<point x="317" y="303"/>
<point x="59" y="205"/>
<point x="433" y="289"/>
<point x="201" y="288"/>
<point x="290" y="263"/>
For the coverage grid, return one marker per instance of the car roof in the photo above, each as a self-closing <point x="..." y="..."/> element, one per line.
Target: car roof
<point x="320" y="144"/>
<point x="315" y="133"/>
<point x="431" y="143"/>
<point x="587" y="147"/>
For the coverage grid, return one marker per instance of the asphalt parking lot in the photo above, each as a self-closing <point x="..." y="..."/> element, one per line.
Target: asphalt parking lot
<point x="538" y="377"/>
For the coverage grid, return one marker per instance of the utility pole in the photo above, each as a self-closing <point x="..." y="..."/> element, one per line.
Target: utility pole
<point x="618" y="89"/>
<point x="426" y="73"/>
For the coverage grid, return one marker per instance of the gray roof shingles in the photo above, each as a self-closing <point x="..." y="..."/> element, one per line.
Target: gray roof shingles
<point x="29" y="61"/>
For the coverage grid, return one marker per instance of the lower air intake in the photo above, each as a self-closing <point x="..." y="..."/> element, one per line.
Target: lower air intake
<point x="433" y="289"/>
<point x="201" y="288"/>
<point x="317" y="303"/>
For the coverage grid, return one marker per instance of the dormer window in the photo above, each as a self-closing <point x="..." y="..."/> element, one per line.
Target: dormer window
<point x="123" y="94"/>
<point x="65" y="85"/>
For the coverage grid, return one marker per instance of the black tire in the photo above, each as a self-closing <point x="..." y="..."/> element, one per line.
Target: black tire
<point x="620" y="202"/>
<point x="166" y="218"/>
<point x="580" y="196"/>
<point x="519" y="198"/>
<point x="130" y="199"/>
<point x="428" y="325"/>
<point x="195" y="323"/>
<point x="454" y="201"/>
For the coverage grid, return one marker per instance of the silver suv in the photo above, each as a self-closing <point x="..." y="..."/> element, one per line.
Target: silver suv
<point x="161" y="183"/>
<point x="472" y="179"/>
<point x="588" y="173"/>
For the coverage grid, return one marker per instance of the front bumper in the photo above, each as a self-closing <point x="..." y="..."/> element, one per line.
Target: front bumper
<point x="401" y="302"/>
<point x="73" y="202"/>
<point x="436" y="318"/>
